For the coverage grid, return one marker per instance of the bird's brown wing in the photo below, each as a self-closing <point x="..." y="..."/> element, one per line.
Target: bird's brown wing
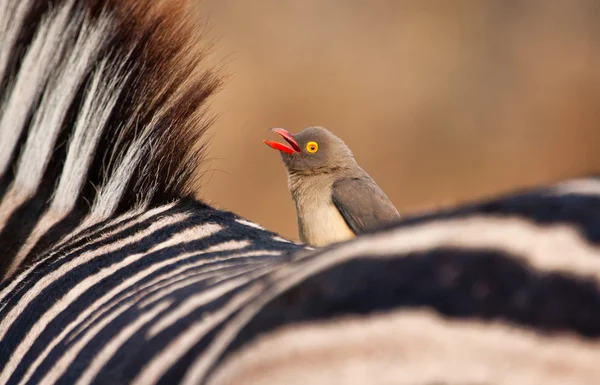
<point x="362" y="203"/>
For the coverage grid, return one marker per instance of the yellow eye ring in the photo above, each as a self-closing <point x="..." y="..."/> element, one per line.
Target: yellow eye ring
<point x="312" y="147"/>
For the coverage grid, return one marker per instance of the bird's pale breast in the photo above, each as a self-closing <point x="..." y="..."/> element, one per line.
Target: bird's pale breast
<point x="325" y="226"/>
<point x="319" y="221"/>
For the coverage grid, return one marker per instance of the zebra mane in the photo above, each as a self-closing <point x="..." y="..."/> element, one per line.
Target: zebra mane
<point x="102" y="110"/>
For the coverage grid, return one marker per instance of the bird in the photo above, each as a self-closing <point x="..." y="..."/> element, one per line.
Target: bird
<point x="335" y="198"/>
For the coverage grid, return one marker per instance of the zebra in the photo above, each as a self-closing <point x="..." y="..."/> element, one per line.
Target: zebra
<point x="113" y="272"/>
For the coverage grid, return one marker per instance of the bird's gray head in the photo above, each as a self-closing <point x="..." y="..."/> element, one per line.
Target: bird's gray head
<point x="313" y="150"/>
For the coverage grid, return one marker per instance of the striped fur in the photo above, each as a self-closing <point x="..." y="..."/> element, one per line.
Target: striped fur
<point x="500" y="292"/>
<point x="102" y="111"/>
<point x="114" y="275"/>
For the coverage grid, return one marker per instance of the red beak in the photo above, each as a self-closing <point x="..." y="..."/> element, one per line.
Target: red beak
<point x="282" y="147"/>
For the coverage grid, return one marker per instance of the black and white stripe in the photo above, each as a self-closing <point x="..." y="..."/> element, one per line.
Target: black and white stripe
<point x="473" y="295"/>
<point x="114" y="274"/>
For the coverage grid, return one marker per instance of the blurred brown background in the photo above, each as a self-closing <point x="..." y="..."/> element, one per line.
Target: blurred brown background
<point x="441" y="101"/>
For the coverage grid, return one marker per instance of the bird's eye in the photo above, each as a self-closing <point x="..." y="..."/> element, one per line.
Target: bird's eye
<point x="312" y="147"/>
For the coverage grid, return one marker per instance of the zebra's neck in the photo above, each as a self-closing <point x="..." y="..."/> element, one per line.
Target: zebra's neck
<point x="91" y="124"/>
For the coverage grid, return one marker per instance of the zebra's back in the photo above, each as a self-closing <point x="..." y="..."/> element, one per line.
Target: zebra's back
<point x="500" y="292"/>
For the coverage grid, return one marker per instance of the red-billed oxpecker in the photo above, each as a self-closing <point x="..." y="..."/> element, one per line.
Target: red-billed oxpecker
<point x="335" y="198"/>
